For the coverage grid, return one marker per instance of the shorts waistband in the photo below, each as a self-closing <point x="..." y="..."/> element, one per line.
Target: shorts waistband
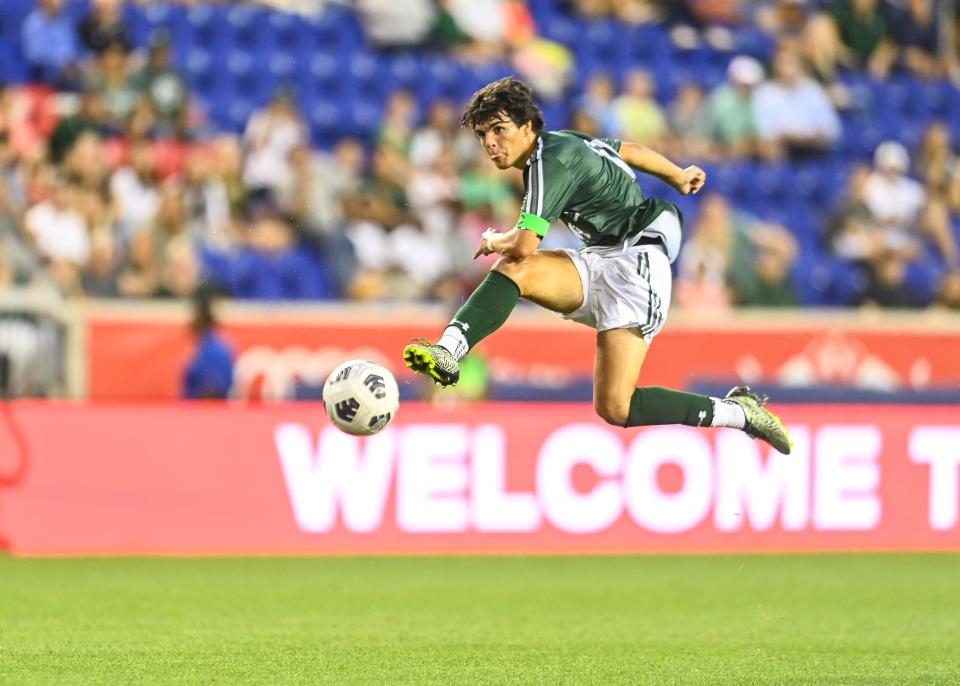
<point x="650" y="240"/>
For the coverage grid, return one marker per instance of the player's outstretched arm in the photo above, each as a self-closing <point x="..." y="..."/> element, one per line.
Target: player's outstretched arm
<point x="642" y="158"/>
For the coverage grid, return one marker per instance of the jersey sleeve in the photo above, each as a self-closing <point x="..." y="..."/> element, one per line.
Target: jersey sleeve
<point x="612" y="142"/>
<point x="549" y="186"/>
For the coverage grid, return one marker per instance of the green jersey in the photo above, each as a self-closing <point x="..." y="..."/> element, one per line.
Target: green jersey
<point x="583" y="182"/>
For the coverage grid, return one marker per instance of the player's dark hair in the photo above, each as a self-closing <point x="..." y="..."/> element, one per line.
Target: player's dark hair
<point x="507" y="96"/>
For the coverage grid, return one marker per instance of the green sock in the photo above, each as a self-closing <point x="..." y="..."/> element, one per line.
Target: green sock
<point x="656" y="405"/>
<point x="487" y="308"/>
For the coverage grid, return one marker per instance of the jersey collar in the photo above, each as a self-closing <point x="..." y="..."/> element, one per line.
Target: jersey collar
<point x="537" y="151"/>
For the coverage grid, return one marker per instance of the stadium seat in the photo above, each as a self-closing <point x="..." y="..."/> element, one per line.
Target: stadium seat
<point x="115" y="152"/>
<point x="403" y="68"/>
<point x="560" y="29"/>
<point x="169" y="157"/>
<point x="923" y="277"/>
<point x="753" y="42"/>
<point x="249" y="27"/>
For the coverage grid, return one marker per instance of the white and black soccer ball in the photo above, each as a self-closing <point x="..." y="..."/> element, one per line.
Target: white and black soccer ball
<point x="361" y="397"/>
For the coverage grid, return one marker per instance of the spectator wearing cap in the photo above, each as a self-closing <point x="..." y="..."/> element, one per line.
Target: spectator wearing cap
<point x="902" y="207"/>
<point x="730" y="121"/>
<point x="50" y="45"/>
<point x="793" y="112"/>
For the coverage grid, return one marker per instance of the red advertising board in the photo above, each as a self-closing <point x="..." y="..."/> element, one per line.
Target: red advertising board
<point x="278" y="479"/>
<point x="277" y="349"/>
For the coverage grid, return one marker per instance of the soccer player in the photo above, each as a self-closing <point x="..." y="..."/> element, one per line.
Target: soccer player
<point x="619" y="282"/>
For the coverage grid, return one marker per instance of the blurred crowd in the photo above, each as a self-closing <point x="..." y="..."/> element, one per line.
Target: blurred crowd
<point x="112" y="184"/>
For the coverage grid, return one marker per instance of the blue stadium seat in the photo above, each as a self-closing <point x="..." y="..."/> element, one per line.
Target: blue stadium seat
<point x="282" y="67"/>
<point x="827" y="281"/>
<point x="284" y="28"/>
<point x="644" y="47"/>
<point x="753" y="42"/>
<point x="923" y="277"/>
<point x="248" y="26"/>
<point x="205" y="25"/>
<point x="733" y="180"/>
<point x="136" y="22"/>
<point x="403" y="69"/>
<point x="203" y="20"/>
<point x="297" y="274"/>
<point x="239" y="111"/>
<point x="543" y="10"/>
<point x="808" y="185"/>
<point x="170" y="18"/>
<point x="561" y="29"/>
<point x="324" y="66"/>
<point x="773" y="184"/>
<point x="198" y="62"/>
<point x="935" y="98"/>
<point x="157" y="15"/>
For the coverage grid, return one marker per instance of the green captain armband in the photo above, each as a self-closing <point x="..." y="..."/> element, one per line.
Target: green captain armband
<point x="532" y="222"/>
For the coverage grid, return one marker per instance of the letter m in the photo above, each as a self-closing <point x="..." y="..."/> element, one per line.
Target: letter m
<point x="753" y="492"/>
<point x="340" y="473"/>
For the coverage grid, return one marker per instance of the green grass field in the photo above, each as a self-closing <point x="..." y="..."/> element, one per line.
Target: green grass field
<point x="831" y="619"/>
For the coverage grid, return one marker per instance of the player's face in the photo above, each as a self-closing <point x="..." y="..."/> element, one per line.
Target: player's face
<point x="505" y="143"/>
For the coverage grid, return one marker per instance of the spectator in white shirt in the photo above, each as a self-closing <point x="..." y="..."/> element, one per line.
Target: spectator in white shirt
<point x="388" y="23"/>
<point x="793" y="112"/>
<point x="60" y="234"/>
<point x="58" y="229"/>
<point x="272" y="133"/>
<point x="902" y="207"/>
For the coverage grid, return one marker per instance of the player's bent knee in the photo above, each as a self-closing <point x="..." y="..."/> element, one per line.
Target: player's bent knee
<point x="513" y="268"/>
<point x="612" y="411"/>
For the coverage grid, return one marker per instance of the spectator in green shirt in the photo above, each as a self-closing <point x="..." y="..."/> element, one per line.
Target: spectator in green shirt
<point x="865" y="33"/>
<point x="767" y="283"/>
<point x="730" y="122"/>
<point x="164" y="87"/>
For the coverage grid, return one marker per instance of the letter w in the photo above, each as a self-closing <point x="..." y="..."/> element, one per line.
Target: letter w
<point x="335" y="477"/>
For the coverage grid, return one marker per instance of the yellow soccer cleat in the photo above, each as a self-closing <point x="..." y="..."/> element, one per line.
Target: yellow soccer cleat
<point x="435" y="361"/>
<point x="761" y="423"/>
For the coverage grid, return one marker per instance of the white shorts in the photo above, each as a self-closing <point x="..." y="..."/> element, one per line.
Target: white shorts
<point x="623" y="288"/>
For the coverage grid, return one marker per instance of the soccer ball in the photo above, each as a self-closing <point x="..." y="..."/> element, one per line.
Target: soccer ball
<point x="361" y="397"/>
